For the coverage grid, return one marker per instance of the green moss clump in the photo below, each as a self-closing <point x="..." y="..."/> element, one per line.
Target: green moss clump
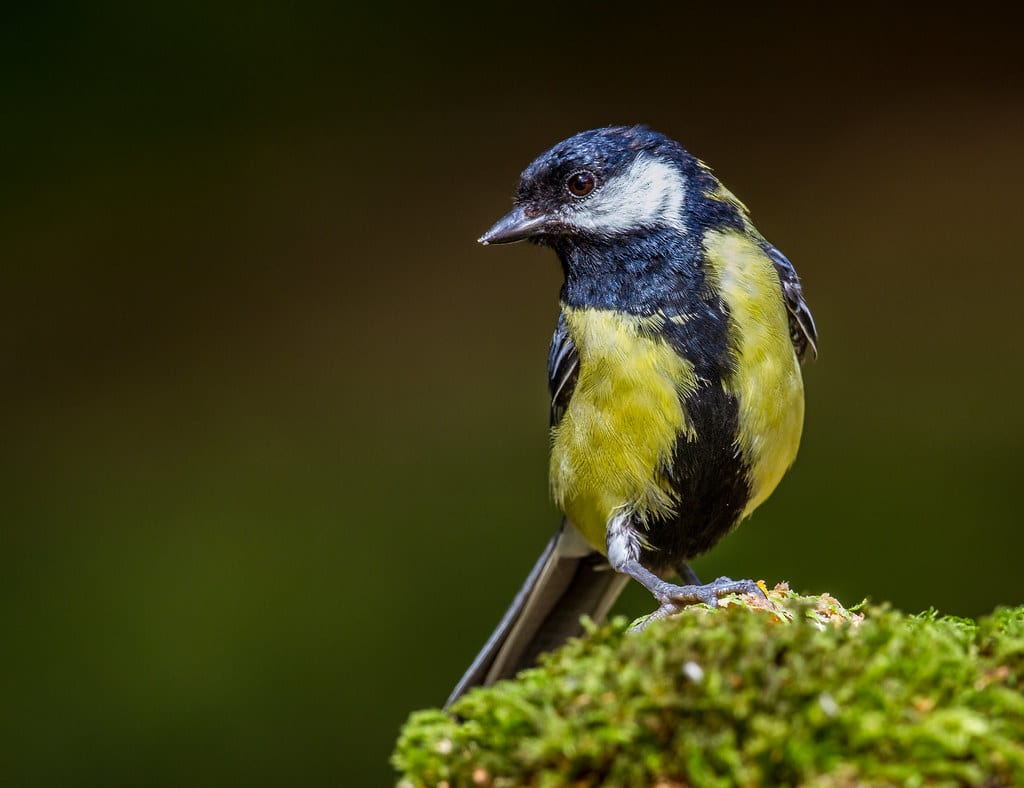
<point x="797" y="692"/>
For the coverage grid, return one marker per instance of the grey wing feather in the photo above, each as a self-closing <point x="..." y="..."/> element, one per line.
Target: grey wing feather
<point x="563" y="369"/>
<point x="802" y="330"/>
<point x="568" y="581"/>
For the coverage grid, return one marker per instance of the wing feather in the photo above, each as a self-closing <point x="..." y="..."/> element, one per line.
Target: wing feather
<point x="563" y="370"/>
<point x="802" y="330"/>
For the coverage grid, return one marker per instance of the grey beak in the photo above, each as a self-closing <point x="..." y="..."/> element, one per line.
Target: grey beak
<point x="514" y="226"/>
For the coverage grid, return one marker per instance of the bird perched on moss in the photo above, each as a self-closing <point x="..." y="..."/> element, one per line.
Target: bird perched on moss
<point x="676" y="396"/>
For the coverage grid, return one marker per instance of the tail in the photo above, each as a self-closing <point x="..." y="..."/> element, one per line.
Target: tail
<point x="569" y="580"/>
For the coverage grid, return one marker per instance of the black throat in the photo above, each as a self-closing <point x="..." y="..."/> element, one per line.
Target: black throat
<point x="653" y="272"/>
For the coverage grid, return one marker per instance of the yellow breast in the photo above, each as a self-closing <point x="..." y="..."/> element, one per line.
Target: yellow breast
<point x="767" y="382"/>
<point x="621" y="425"/>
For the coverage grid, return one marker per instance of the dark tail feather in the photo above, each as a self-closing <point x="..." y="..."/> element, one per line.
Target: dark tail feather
<point x="569" y="580"/>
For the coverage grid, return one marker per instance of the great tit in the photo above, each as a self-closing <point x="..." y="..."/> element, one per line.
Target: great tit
<point x="677" y="400"/>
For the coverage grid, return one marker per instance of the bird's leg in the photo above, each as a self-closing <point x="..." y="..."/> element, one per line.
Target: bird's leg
<point x="686" y="574"/>
<point x="623" y="543"/>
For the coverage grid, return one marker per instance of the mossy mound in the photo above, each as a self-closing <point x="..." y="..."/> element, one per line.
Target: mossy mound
<point x="799" y="692"/>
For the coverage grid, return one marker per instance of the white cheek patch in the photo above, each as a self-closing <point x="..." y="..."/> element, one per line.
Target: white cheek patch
<point x="650" y="193"/>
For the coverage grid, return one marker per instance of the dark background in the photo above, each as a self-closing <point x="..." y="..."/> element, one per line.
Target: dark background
<point x="274" y="426"/>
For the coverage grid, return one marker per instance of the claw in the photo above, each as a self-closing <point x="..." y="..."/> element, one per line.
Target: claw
<point x="665" y="610"/>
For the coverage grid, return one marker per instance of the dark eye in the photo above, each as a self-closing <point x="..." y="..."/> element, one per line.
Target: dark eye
<point x="581" y="183"/>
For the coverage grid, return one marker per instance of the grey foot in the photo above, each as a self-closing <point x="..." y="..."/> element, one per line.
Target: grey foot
<point x="674" y="596"/>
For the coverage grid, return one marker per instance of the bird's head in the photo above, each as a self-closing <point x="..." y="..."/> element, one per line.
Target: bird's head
<point x="596" y="186"/>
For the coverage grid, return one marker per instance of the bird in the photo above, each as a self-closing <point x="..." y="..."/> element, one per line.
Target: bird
<point x="677" y="398"/>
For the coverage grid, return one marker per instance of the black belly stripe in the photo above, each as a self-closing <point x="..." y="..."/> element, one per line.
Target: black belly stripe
<point x="710" y="477"/>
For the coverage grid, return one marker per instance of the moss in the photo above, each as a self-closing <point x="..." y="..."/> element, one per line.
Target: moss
<point x="799" y="691"/>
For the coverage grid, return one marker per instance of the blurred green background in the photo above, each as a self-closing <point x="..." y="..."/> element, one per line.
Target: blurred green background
<point x="274" y="426"/>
